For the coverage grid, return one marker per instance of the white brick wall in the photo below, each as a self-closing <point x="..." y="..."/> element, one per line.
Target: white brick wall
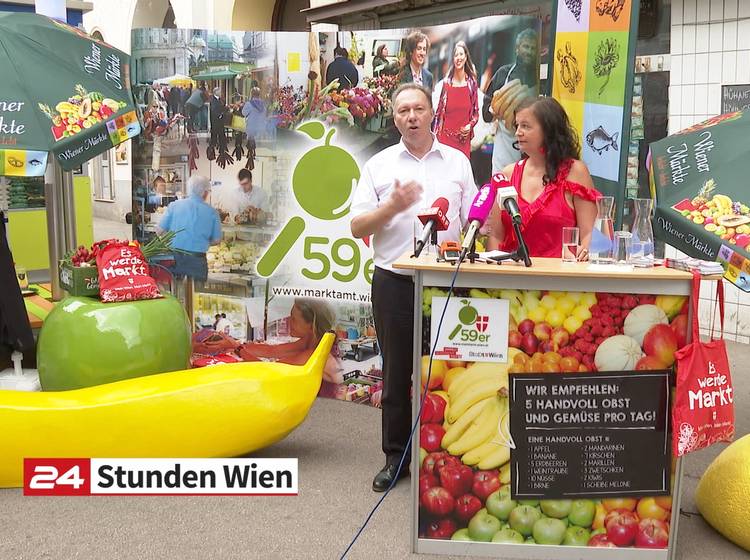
<point x="710" y="46"/>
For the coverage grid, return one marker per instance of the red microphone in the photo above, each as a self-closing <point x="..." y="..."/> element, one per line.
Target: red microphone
<point x="434" y="219"/>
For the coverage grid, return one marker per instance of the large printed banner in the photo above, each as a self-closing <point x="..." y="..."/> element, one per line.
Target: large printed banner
<point x="590" y="78"/>
<point x="563" y="441"/>
<point x="281" y="124"/>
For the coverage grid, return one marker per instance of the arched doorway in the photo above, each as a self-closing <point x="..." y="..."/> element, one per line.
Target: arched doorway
<point x="253" y="15"/>
<point x="152" y="13"/>
<point x="287" y="15"/>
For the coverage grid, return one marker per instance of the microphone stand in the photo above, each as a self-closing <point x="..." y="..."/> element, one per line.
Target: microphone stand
<point x="433" y="241"/>
<point x="472" y="254"/>
<point x="521" y="253"/>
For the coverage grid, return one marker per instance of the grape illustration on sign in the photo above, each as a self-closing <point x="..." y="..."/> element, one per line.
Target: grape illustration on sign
<point x="322" y="182"/>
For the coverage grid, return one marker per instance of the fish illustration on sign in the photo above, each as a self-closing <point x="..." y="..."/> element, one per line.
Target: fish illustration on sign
<point x="600" y="140"/>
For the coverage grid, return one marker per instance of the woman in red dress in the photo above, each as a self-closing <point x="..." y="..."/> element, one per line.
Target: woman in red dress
<point x="458" y="102"/>
<point x="554" y="187"/>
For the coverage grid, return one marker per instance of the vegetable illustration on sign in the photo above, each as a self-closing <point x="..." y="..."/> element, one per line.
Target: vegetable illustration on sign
<point x="570" y="74"/>
<point x="606" y="59"/>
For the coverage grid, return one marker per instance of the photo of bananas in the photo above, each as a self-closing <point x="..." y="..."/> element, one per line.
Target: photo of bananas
<point x="79" y="112"/>
<point x="506" y="99"/>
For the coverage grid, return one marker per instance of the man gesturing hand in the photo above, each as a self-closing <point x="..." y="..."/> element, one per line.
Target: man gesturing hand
<point x="404" y="195"/>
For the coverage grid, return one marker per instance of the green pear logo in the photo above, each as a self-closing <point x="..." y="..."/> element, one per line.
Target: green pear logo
<point x="323" y="181"/>
<point x="467" y="316"/>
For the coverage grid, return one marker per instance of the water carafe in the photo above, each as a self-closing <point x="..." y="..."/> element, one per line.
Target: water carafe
<point x="600" y="248"/>
<point x="642" y="245"/>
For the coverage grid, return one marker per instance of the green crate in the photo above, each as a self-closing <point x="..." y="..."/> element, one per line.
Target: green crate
<point x="79" y="280"/>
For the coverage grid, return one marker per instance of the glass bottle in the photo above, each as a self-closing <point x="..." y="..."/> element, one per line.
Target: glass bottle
<point x="600" y="248"/>
<point x="642" y="245"/>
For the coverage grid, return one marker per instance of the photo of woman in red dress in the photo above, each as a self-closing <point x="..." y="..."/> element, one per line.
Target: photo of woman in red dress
<point x="457" y="98"/>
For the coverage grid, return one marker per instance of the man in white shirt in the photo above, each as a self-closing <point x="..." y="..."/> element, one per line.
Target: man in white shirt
<point x="395" y="184"/>
<point x="223" y="325"/>
<point x="249" y="196"/>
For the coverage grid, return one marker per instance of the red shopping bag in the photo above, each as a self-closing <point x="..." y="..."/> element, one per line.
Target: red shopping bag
<point x="124" y="273"/>
<point x="703" y="412"/>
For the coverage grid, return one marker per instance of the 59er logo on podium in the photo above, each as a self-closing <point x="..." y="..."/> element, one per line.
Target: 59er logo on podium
<point x="56" y="477"/>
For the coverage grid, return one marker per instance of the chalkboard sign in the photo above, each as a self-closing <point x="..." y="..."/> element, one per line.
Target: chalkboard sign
<point x="735" y="98"/>
<point x="590" y="436"/>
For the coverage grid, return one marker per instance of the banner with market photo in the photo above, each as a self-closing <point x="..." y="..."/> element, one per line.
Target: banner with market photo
<point x="281" y="124"/>
<point x="592" y="74"/>
<point x="702" y="208"/>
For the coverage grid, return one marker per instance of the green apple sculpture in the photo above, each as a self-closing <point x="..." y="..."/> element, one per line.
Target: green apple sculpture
<point x="85" y="342"/>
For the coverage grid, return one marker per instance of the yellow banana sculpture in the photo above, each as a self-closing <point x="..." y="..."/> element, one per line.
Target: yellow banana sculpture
<point x="218" y="411"/>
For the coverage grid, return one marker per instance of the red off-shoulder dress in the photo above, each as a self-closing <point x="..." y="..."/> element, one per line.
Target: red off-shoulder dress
<point x="544" y="218"/>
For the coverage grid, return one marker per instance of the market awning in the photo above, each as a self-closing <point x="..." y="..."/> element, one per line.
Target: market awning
<point x="61" y="92"/>
<point x="176" y="80"/>
<point x="216" y="75"/>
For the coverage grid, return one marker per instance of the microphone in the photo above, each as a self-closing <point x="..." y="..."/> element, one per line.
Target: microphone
<point x="478" y="213"/>
<point x="433" y="219"/>
<point x="507" y="196"/>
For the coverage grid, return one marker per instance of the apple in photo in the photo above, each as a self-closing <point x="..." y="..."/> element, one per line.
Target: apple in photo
<point x="526" y="326"/>
<point x="542" y="331"/>
<point x="515" y="339"/>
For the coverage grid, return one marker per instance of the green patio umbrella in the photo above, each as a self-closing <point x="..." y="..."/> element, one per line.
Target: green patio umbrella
<point x="699" y="180"/>
<point x="61" y="91"/>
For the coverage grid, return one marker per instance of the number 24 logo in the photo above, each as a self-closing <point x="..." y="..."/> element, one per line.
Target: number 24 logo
<point x="46" y="477"/>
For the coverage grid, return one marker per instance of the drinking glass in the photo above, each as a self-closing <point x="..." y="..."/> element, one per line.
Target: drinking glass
<point x="621" y="247"/>
<point x="570" y="241"/>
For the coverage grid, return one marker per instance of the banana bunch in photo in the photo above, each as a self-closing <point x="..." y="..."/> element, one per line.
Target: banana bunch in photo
<point x="477" y="421"/>
<point x="506" y="99"/>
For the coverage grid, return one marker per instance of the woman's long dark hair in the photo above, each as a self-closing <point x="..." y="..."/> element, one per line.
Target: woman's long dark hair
<point x="560" y="138"/>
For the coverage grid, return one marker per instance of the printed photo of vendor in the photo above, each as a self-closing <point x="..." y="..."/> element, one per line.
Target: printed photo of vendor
<point x="250" y="199"/>
<point x="309" y="320"/>
<point x="197" y="227"/>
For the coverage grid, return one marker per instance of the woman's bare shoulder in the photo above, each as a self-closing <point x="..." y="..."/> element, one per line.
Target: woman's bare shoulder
<point x="579" y="173"/>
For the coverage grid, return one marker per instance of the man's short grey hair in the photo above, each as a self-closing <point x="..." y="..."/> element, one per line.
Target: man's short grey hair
<point x="198" y="185"/>
<point x="412" y="85"/>
<point x="217" y="91"/>
<point x="528" y="34"/>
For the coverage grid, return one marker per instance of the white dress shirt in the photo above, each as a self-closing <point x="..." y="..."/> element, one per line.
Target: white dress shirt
<point x="255" y="198"/>
<point x="443" y="171"/>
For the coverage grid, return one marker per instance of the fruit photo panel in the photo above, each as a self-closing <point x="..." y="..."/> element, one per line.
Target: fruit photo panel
<point x="571" y="50"/>
<point x="602" y="133"/>
<point x="464" y="435"/>
<point x="572" y="15"/>
<point x="607" y="62"/>
<point x="610" y="15"/>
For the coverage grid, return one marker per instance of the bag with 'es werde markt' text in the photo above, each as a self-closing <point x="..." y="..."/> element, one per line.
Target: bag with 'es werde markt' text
<point x="124" y="274"/>
<point x="703" y="412"/>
